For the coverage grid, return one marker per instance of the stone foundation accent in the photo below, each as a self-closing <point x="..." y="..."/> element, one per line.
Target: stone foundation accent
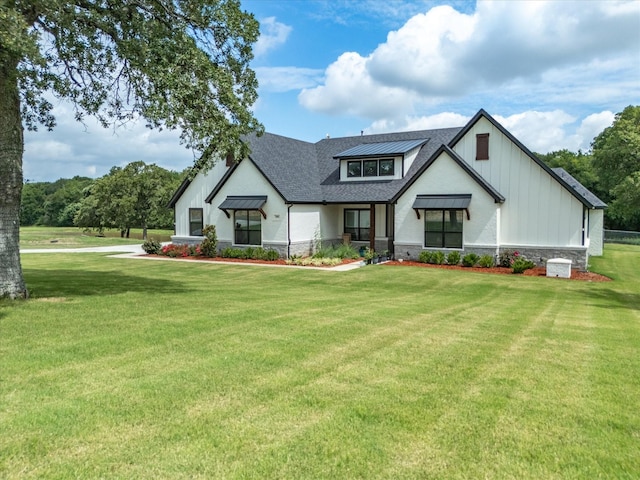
<point x="538" y="255"/>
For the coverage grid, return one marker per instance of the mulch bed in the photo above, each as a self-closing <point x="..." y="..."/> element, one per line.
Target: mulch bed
<point x="280" y="261"/>
<point x="533" y="272"/>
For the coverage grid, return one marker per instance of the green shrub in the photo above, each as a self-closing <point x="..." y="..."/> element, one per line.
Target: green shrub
<point x="272" y="255"/>
<point x="470" y="260"/>
<point x="453" y="258"/>
<point x="339" y="251"/>
<point x="507" y="257"/>
<point x="152" y="246"/>
<point x="425" y="256"/>
<point x="437" y="258"/>
<point x="521" y="264"/>
<point x="209" y="246"/>
<point x="486" y="261"/>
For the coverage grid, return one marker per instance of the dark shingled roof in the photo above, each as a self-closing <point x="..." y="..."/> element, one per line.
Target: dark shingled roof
<point x="590" y="199"/>
<point x="304" y="172"/>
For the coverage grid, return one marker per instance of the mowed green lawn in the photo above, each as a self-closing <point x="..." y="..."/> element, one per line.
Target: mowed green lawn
<point x="121" y="368"/>
<point x="73" y="237"/>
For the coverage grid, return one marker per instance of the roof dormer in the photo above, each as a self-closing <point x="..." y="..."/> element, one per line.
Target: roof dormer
<point x="378" y="161"/>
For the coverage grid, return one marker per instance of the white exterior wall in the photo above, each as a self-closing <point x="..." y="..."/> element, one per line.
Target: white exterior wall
<point x="247" y="180"/>
<point x="446" y="177"/>
<point x="199" y="189"/>
<point x="538" y="211"/>
<point x="596" y="232"/>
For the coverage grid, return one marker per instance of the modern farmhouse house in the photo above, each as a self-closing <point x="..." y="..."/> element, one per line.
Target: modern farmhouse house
<point x="473" y="189"/>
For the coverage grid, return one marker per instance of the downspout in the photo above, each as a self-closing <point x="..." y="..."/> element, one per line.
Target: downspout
<point x="289" y="205"/>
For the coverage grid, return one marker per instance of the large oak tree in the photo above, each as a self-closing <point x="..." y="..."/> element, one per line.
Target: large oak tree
<point x="180" y="64"/>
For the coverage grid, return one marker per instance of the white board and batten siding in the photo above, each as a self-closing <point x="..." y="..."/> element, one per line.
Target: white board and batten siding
<point x="445" y="177"/>
<point x="538" y="210"/>
<point x="199" y="188"/>
<point x="246" y="181"/>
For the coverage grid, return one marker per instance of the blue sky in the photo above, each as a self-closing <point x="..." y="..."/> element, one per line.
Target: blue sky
<point x="553" y="73"/>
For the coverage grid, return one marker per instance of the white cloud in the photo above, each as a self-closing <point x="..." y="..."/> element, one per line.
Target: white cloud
<point x="411" y="123"/>
<point x="527" y="48"/>
<point x="284" y="79"/>
<point x="350" y="89"/>
<point x="539" y="131"/>
<point x="72" y="150"/>
<point x="272" y="35"/>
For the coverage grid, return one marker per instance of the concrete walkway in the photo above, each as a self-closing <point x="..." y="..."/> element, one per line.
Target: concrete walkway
<point x="137" y="249"/>
<point x="136" y="252"/>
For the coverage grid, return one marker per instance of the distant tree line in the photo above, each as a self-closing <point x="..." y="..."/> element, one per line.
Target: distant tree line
<point x="611" y="170"/>
<point x="134" y="196"/>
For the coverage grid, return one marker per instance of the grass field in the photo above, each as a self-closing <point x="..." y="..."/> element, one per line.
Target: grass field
<point x="121" y="368"/>
<point x="73" y="237"/>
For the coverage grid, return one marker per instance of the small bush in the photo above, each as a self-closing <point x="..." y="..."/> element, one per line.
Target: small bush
<point x="507" y="257"/>
<point x="209" y="246"/>
<point x="437" y="258"/>
<point x="453" y="258"/>
<point x="152" y="246"/>
<point x="425" y="256"/>
<point x="521" y="264"/>
<point x="340" y="251"/>
<point x="470" y="260"/>
<point x="173" y="251"/>
<point x="486" y="261"/>
<point x="272" y="255"/>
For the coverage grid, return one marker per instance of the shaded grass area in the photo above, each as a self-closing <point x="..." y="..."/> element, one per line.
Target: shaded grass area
<point x="133" y="369"/>
<point x="73" y="237"/>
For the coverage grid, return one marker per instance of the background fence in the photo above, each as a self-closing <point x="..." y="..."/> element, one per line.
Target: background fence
<point x="621" y="236"/>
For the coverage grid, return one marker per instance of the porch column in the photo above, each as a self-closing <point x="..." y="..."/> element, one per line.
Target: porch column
<point x="372" y="226"/>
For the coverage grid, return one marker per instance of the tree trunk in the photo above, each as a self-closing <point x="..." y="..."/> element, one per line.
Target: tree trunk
<point x="11" y="148"/>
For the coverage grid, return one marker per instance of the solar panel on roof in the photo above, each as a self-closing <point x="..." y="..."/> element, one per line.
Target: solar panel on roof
<point x="382" y="148"/>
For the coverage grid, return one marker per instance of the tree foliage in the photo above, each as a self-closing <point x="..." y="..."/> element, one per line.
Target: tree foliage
<point x="134" y="196"/>
<point x="179" y="64"/>
<point x="52" y="203"/>
<point x="616" y="159"/>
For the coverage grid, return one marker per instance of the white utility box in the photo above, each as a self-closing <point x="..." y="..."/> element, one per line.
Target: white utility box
<point x="559" y="267"/>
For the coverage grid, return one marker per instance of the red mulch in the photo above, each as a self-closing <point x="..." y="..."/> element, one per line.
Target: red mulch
<point x="280" y="261"/>
<point x="533" y="272"/>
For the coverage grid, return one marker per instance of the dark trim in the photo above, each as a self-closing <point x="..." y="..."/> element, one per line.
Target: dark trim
<point x="240" y="204"/>
<point x="483" y="114"/>
<point x="196" y="209"/>
<point x="497" y="197"/>
<point x="178" y="193"/>
<point x="230" y="172"/>
<point x="482" y="146"/>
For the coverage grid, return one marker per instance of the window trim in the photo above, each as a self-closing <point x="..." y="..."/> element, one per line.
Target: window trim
<point x="362" y="161"/>
<point x="356" y="232"/>
<point x="444" y="233"/>
<point x="199" y="223"/>
<point x="248" y="231"/>
<point x="482" y="146"/>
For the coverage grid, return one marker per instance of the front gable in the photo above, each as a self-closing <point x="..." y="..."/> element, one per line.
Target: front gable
<point x="447" y="177"/>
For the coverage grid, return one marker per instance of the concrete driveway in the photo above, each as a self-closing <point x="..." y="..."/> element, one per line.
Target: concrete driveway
<point x="111" y="249"/>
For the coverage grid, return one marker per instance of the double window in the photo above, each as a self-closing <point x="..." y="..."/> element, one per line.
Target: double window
<point x="195" y="222"/>
<point x="357" y="222"/>
<point x="443" y="228"/>
<point x="248" y="227"/>
<point x="382" y="167"/>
